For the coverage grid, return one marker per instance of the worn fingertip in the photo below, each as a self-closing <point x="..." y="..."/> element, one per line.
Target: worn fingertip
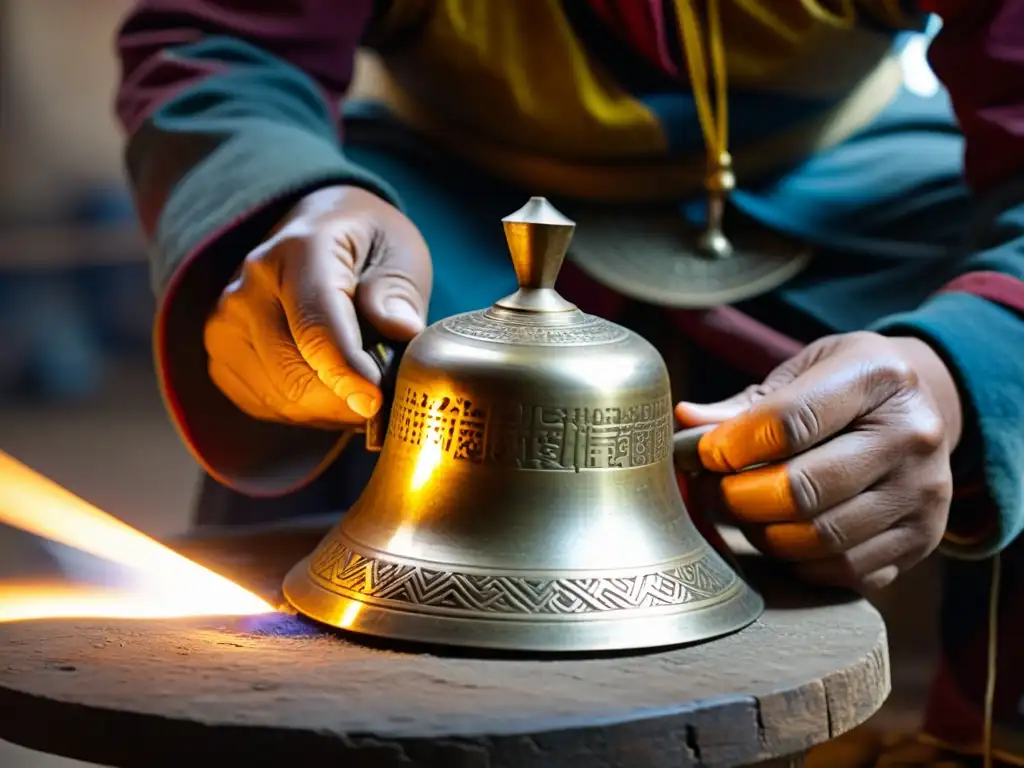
<point x="680" y="412"/>
<point x="404" y="315"/>
<point x="693" y="414"/>
<point x="712" y="453"/>
<point x="359" y="395"/>
<point x="363" y="404"/>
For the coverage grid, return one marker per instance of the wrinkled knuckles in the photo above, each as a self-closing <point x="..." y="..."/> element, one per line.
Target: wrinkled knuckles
<point x="832" y="540"/>
<point x="892" y="374"/>
<point x="297" y="380"/>
<point x="307" y="330"/>
<point x="935" y="495"/>
<point x="345" y="249"/>
<point x="800" y="427"/>
<point x="805" y="494"/>
<point x="927" y="432"/>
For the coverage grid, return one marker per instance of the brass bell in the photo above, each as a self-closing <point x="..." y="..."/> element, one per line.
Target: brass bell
<point x="525" y="496"/>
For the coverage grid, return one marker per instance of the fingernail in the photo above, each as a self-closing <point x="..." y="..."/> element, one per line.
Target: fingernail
<point x="404" y="312"/>
<point x="362" y="404"/>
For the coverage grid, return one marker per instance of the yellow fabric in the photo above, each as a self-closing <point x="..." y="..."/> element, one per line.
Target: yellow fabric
<point x="516" y="73"/>
<point x="651" y="179"/>
<point x="507" y="86"/>
<point x="714" y="117"/>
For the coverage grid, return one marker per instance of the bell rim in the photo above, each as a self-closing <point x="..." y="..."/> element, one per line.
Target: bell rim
<point x="737" y="608"/>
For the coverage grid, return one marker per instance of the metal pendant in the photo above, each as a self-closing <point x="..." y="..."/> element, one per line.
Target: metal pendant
<point x="657" y="256"/>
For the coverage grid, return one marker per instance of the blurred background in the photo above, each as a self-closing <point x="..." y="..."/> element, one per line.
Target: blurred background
<point x="78" y="400"/>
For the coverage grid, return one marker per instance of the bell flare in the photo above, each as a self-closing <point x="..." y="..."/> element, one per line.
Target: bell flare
<point x="512" y="560"/>
<point x="693" y="597"/>
<point x="515" y="612"/>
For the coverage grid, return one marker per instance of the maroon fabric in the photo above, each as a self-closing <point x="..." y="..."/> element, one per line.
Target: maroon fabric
<point x="738" y="339"/>
<point x="997" y="287"/>
<point x="319" y="37"/>
<point x="589" y="295"/>
<point x="979" y="56"/>
<point x="642" y="24"/>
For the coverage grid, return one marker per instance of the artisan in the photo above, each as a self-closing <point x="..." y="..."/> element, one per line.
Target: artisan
<point x="881" y="381"/>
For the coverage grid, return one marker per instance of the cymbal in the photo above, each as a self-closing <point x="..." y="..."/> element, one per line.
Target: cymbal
<point x="654" y="256"/>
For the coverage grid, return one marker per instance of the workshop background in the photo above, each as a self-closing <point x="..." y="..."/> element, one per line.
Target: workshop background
<point x="78" y="400"/>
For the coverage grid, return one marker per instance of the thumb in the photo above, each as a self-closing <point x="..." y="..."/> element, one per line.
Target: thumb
<point x="394" y="289"/>
<point x="697" y="414"/>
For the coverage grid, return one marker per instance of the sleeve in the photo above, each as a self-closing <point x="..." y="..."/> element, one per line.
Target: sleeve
<point x="231" y="113"/>
<point x="976" y="322"/>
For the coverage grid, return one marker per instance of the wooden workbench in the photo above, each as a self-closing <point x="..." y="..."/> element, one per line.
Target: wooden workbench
<point x="277" y="690"/>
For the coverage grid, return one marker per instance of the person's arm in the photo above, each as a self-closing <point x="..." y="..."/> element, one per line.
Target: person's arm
<point x="976" y="322"/>
<point x="231" y="113"/>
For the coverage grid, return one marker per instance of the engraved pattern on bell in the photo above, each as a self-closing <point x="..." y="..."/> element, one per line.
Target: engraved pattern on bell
<point x="533" y="437"/>
<point x="694" y="579"/>
<point x="654" y="256"/>
<point x="525" y="497"/>
<point x="504" y="327"/>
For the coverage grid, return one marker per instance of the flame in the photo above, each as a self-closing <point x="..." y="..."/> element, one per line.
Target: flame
<point x="169" y="585"/>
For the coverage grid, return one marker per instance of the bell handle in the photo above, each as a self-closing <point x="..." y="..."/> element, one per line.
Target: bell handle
<point x="685" y="451"/>
<point x="386" y="354"/>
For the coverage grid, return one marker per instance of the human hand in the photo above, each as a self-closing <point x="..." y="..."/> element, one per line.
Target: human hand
<point x="839" y="461"/>
<point x="284" y="342"/>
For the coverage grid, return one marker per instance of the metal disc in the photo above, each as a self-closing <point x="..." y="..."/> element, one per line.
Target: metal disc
<point x="653" y="257"/>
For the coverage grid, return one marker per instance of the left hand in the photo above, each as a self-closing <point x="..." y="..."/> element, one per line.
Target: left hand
<point x="855" y="434"/>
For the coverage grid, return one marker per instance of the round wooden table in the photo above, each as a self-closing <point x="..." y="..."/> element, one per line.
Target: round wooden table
<point x="278" y="690"/>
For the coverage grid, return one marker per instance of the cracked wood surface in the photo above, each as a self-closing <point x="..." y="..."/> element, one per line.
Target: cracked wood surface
<point x="273" y="690"/>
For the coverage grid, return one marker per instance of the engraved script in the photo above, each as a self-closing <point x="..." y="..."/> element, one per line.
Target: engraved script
<point x="534" y="436"/>
<point x="351" y="574"/>
<point x="583" y="331"/>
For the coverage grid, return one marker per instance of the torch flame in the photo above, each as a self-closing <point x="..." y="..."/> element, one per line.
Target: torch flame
<point x="169" y="585"/>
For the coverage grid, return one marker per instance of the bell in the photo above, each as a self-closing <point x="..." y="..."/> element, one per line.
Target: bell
<point x="525" y="497"/>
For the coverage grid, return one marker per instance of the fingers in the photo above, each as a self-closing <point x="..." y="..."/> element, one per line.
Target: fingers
<point x="395" y="285"/>
<point x="316" y="295"/>
<point x="695" y="414"/>
<point x="698" y="415"/>
<point x="816" y="405"/>
<point x="256" y="361"/>
<point x="229" y="350"/>
<point x="240" y="392"/>
<point x="810" y="483"/>
<point x="285" y="341"/>
<point x="874" y="564"/>
<point x="866" y="541"/>
<point x="304" y="393"/>
<point x="832" y="533"/>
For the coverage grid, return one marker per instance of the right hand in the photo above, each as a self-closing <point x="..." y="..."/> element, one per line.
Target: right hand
<point x="284" y="342"/>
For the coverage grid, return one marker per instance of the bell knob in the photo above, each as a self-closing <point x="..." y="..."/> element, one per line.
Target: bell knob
<point x="538" y="237"/>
